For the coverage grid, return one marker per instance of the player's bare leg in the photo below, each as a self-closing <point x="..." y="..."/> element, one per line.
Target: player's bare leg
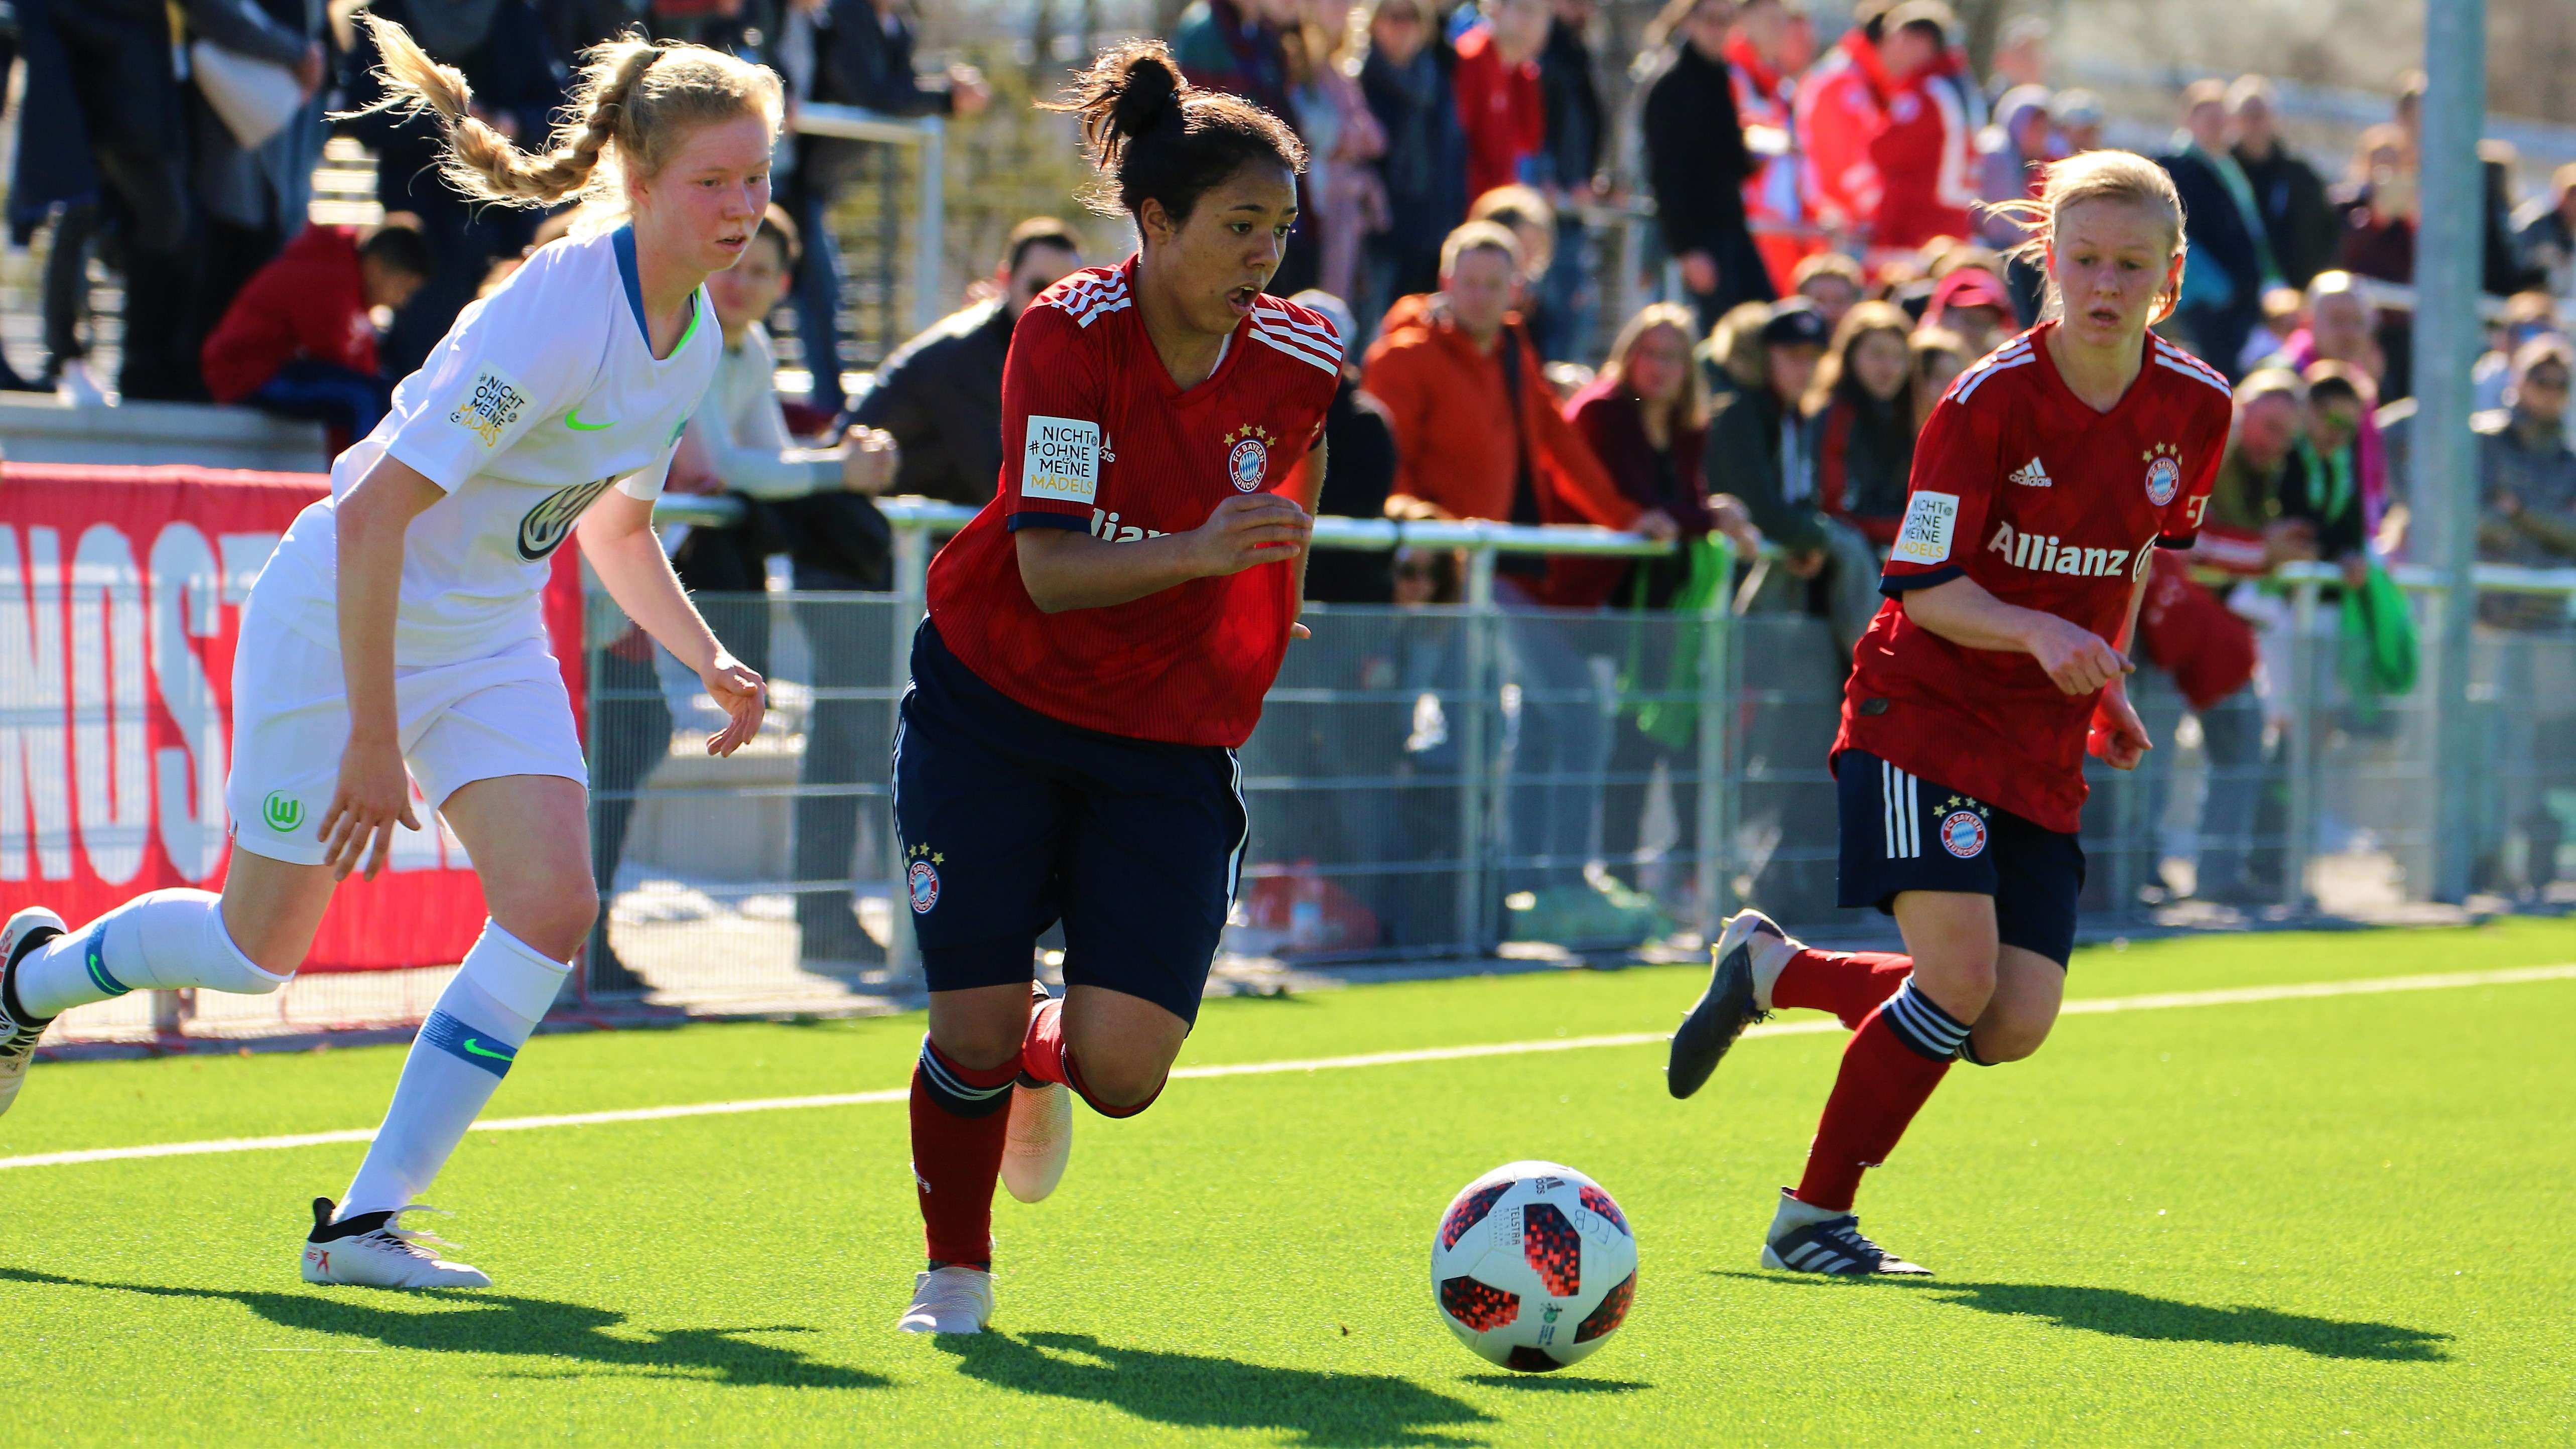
<point x="2029" y="989"/>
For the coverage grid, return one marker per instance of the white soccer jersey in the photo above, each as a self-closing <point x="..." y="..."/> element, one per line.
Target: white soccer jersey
<point x="541" y="397"/>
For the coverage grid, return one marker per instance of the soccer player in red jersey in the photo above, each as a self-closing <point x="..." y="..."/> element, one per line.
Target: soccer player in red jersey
<point x="1099" y="641"/>
<point x="2044" y="479"/>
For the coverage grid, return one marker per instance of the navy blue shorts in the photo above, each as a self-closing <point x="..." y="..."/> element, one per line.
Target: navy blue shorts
<point x="1903" y="833"/>
<point x="1012" y="820"/>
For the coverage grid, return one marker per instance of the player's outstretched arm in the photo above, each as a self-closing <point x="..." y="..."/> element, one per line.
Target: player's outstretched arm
<point x="617" y="537"/>
<point x="1063" y="569"/>
<point x="2077" y="660"/>
<point x="373" y="793"/>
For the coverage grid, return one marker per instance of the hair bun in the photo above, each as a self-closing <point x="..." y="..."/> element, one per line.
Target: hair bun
<point x="1148" y="92"/>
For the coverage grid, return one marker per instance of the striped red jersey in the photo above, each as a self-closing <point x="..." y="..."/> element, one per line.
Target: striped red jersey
<point x="1097" y="437"/>
<point x="2048" y="505"/>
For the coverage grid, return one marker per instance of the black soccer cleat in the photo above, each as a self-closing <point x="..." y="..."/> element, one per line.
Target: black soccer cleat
<point x="1835" y="1247"/>
<point x="1722" y="1012"/>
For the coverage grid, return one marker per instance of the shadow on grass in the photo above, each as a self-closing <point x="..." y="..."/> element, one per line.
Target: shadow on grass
<point x="1554" y="1384"/>
<point x="533" y="1328"/>
<point x="1198" y="1392"/>
<point x="2124" y="1314"/>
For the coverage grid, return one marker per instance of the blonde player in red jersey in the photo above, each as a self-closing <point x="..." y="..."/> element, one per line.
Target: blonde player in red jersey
<point x="1099" y="640"/>
<point x="2044" y="480"/>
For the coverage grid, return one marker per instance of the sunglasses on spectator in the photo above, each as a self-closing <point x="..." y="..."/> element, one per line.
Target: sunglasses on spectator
<point x="2545" y="382"/>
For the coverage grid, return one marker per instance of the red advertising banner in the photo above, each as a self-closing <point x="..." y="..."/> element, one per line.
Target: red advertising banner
<point x="121" y="591"/>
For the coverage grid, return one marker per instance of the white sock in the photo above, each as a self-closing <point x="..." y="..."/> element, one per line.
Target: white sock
<point x="1793" y="1215"/>
<point x="160" y="941"/>
<point x="488" y="1011"/>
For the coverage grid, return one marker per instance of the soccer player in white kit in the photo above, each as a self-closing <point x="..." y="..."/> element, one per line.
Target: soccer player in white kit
<point x="399" y="622"/>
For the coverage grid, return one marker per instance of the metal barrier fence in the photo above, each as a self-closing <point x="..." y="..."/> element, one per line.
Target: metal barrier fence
<point x="1454" y="780"/>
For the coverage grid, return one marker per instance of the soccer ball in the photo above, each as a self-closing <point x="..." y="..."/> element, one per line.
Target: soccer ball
<point x="1533" y="1266"/>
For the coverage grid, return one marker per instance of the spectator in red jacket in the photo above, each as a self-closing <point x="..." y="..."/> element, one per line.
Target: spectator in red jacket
<point x="1501" y="105"/>
<point x="1927" y="153"/>
<point x="1840" y="106"/>
<point x="297" y="341"/>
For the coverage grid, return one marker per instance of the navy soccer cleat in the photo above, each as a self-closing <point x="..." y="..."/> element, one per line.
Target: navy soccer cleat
<point x="1836" y="1248"/>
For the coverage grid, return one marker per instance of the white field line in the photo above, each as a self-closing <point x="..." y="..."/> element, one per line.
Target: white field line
<point x="2094" y="1006"/>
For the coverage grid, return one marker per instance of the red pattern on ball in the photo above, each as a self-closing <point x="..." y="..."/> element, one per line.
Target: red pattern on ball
<point x="1554" y="1249"/>
<point x="1599" y="1202"/>
<point x="1468" y="1211"/>
<point x="1609" y="1313"/>
<point x="1482" y="1307"/>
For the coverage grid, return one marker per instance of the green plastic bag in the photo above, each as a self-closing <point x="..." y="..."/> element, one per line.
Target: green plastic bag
<point x="2378" y="654"/>
<point x="1673" y="723"/>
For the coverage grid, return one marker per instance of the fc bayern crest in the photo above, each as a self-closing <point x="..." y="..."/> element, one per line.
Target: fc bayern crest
<point x="923" y="881"/>
<point x="2164" y="474"/>
<point x="1249" y="463"/>
<point x="1963" y="834"/>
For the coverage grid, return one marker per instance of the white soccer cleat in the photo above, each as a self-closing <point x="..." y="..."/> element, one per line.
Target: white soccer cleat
<point x="1040" y="1140"/>
<point x="949" y="1300"/>
<point x="26" y="930"/>
<point x="368" y="1251"/>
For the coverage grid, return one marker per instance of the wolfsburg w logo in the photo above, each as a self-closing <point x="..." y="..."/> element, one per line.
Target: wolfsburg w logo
<point x="281" y="812"/>
<point x="547" y="524"/>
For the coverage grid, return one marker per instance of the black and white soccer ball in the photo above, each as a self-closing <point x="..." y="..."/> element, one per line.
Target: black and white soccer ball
<point x="1533" y="1266"/>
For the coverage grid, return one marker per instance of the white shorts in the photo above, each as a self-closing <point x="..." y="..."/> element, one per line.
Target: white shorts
<point x="479" y="719"/>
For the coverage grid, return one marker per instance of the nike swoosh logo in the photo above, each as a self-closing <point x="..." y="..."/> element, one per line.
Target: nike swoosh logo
<point x="478" y="1049"/>
<point x="573" y="421"/>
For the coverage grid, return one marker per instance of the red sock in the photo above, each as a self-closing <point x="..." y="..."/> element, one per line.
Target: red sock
<point x="959" y="1116"/>
<point x="1042" y="1050"/>
<point x="1044" y="1055"/>
<point x="1882" y="1085"/>
<point x="1848" y="984"/>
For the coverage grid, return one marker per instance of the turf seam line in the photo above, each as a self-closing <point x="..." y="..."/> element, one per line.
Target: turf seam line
<point x="2093" y="1006"/>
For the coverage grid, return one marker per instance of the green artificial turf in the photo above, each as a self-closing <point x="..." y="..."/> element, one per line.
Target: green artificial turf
<point x="2336" y="1220"/>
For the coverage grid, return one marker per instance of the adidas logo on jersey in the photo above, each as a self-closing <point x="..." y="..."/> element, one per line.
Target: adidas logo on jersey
<point x="2043" y="553"/>
<point x="2031" y="475"/>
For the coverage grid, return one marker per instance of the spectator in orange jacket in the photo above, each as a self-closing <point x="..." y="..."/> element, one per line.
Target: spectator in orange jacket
<point x="1926" y="154"/>
<point x="1477" y="432"/>
<point x="1501" y="105"/>
<point x="297" y="339"/>
<point x="1478" y="435"/>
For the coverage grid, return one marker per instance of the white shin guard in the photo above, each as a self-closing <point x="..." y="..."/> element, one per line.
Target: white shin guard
<point x="488" y="1011"/>
<point x="160" y="941"/>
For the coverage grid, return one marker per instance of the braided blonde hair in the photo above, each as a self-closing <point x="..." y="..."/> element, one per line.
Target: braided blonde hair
<point x="634" y="105"/>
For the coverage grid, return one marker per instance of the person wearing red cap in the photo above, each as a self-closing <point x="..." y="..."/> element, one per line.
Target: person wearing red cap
<point x="1973" y="303"/>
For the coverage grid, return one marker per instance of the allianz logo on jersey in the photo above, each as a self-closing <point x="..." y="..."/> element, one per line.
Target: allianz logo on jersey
<point x="2044" y="553"/>
<point x="1106" y="527"/>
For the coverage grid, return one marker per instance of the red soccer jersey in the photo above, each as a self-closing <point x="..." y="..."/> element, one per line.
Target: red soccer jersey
<point x="1096" y="437"/>
<point x="2049" y="505"/>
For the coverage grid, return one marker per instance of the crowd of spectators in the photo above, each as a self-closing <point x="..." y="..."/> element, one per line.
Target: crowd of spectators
<point x="1818" y="204"/>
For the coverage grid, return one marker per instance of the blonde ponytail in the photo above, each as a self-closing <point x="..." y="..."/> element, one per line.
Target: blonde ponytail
<point x="635" y="102"/>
